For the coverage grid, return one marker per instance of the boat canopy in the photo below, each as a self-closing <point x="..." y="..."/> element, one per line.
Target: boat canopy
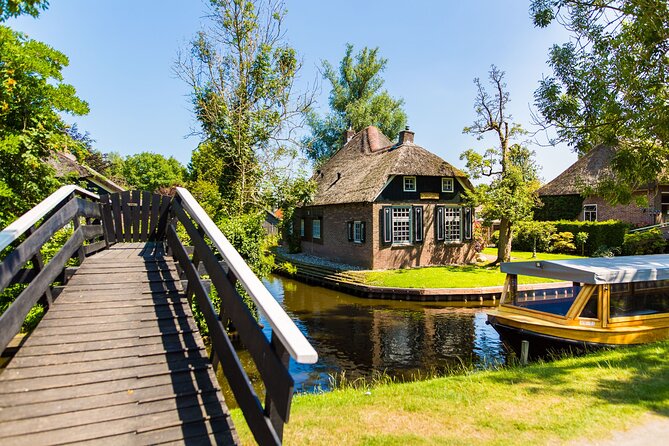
<point x="595" y="271"/>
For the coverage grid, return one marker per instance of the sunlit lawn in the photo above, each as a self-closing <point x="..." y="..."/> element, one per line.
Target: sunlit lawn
<point x="466" y="276"/>
<point x="570" y="400"/>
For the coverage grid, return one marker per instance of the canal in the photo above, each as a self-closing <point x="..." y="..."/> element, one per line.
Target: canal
<point x="364" y="337"/>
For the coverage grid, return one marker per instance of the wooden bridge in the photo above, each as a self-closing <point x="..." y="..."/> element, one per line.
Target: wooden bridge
<point x="118" y="358"/>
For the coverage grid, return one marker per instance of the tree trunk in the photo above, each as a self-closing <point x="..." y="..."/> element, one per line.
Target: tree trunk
<point x="504" y="244"/>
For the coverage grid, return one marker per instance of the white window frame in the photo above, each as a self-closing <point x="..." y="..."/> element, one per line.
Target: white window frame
<point x="401" y="225"/>
<point x="452" y="224"/>
<point x="404" y="183"/>
<point x="590" y="211"/>
<point x="357" y="232"/>
<point x="446" y="181"/>
<point x="301" y="227"/>
<point x="316" y="234"/>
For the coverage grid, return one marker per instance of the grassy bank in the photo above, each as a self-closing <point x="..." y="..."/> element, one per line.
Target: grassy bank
<point x="570" y="399"/>
<point x="467" y="276"/>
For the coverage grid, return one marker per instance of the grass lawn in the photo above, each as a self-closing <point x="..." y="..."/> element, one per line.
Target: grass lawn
<point x="573" y="399"/>
<point x="467" y="276"/>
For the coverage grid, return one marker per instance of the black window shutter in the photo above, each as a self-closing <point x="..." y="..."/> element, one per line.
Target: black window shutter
<point x="387" y="226"/>
<point x="468" y="223"/>
<point x="362" y="231"/>
<point x="439" y="222"/>
<point x="418" y="224"/>
<point x="349" y="230"/>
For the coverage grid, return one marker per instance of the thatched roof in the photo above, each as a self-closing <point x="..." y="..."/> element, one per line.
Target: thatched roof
<point x="588" y="171"/>
<point x="66" y="164"/>
<point x="360" y="170"/>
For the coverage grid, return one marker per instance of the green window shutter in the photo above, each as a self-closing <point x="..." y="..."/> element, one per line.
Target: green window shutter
<point x="467" y="223"/>
<point x="439" y="223"/>
<point x="387" y="226"/>
<point x="418" y="224"/>
<point x="349" y="230"/>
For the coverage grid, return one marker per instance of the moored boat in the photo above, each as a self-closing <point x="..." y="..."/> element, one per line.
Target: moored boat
<point x="608" y="302"/>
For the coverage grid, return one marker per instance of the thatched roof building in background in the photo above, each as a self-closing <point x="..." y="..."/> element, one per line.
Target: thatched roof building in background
<point x="360" y="170"/>
<point x="587" y="172"/>
<point x="65" y="164"/>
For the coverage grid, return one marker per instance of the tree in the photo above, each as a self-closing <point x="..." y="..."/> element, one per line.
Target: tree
<point x="32" y="98"/>
<point x="242" y="76"/>
<point x="511" y="195"/>
<point x="151" y="171"/>
<point x="14" y="8"/>
<point x="610" y="85"/>
<point x="356" y="101"/>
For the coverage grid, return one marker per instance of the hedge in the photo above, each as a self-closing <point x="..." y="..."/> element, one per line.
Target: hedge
<point x="609" y="233"/>
<point x="559" y="207"/>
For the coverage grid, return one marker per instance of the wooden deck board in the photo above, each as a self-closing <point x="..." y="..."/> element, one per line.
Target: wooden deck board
<point x="117" y="359"/>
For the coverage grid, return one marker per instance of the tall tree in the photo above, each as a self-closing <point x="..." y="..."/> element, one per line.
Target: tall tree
<point x="242" y="75"/>
<point x="510" y="196"/>
<point x="32" y="98"/>
<point x="610" y="84"/>
<point x="14" y="8"/>
<point x="356" y="101"/>
<point x="151" y="171"/>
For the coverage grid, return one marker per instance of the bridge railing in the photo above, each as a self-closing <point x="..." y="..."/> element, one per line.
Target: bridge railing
<point x="67" y="205"/>
<point x="271" y="357"/>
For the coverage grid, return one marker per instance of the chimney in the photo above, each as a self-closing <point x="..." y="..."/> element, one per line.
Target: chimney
<point x="406" y="135"/>
<point x="349" y="134"/>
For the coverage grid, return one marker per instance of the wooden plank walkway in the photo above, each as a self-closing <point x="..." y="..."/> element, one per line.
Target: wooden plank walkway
<point x="117" y="360"/>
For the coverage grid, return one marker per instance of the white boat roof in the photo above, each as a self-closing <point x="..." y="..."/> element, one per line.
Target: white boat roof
<point x="597" y="270"/>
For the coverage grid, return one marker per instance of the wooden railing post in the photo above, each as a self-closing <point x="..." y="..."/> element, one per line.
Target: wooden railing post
<point x="271" y="410"/>
<point x="38" y="264"/>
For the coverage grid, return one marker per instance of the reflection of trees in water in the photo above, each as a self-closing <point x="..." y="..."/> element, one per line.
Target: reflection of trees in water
<point x="361" y="336"/>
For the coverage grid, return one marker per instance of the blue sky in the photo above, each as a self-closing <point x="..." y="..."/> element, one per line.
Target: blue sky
<point x="122" y="52"/>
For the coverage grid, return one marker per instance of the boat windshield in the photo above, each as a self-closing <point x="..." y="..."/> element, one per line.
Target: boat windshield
<point x="550" y="300"/>
<point x="640" y="298"/>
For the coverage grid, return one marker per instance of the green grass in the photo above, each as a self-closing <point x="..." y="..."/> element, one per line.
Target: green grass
<point x="466" y="276"/>
<point x="573" y="399"/>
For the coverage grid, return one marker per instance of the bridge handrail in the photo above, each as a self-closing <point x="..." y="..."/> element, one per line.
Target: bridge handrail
<point x="283" y="327"/>
<point x="646" y="228"/>
<point x="28" y="220"/>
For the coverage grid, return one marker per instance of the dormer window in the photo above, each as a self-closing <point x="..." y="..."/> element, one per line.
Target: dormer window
<point x="409" y="184"/>
<point x="447" y="184"/>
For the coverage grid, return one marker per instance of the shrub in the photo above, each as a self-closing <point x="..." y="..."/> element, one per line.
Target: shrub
<point x="526" y="233"/>
<point x="610" y="233"/>
<point x="605" y="251"/>
<point x="580" y="239"/>
<point x="562" y="243"/>
<point x="647" y="242"/>
<point x="494" y="238"/>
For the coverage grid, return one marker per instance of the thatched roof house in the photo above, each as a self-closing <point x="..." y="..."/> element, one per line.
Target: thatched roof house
<point x="585" y="173"/>
<point x="360" y="170"/>
<point x="65" y="164"/>
<point x="384" y="204"/>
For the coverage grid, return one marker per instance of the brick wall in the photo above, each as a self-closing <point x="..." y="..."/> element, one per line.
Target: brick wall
<point x="334" y="244"/>
<point x="629" y="213"/>
<point x="430" y="252"/>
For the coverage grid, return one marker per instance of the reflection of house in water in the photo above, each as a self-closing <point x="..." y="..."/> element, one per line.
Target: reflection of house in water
<point x="400" y="338"/>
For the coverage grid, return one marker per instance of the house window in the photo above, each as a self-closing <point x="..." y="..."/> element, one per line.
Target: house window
<point x="452" y="224"/>
<point x="409" y="184"/>
<point x="301" y="227"/>
<point x="589" y="212"/>
<point x="401" y="225"/>
<point x="358" y="231"/>
<point x="447" y="184"/>
<point x="316" y="228"/>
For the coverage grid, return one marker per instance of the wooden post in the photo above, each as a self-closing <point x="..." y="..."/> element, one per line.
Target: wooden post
<point x="38" y="265"/>
<point x="270" y="408"/>
<point x="524" y="352"/>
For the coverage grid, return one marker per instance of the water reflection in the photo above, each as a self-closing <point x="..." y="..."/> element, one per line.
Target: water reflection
<point x="363" y="336"/>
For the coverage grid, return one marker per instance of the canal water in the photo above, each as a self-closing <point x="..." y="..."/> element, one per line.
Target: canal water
<point x="364" y="337"/>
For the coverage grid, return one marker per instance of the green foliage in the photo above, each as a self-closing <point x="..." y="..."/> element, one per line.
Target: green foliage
<point x="580" y="239"/>
<point x="32" y="98"/>
<point x="534" y="236"/>
<point x="563" y="243"/>
<point x="242" y="72"/>
<point x="558" y="207"/>
<point x="606" y="251"/>
<point x="151" y="171"/>
<point x="356" y="101"/>
<point x="14" y="8"/>
<point x="246" y="234"/>
<point x="609" y="233"/>
<point x="646" y="242"/>
<point x="609" y="85"/>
